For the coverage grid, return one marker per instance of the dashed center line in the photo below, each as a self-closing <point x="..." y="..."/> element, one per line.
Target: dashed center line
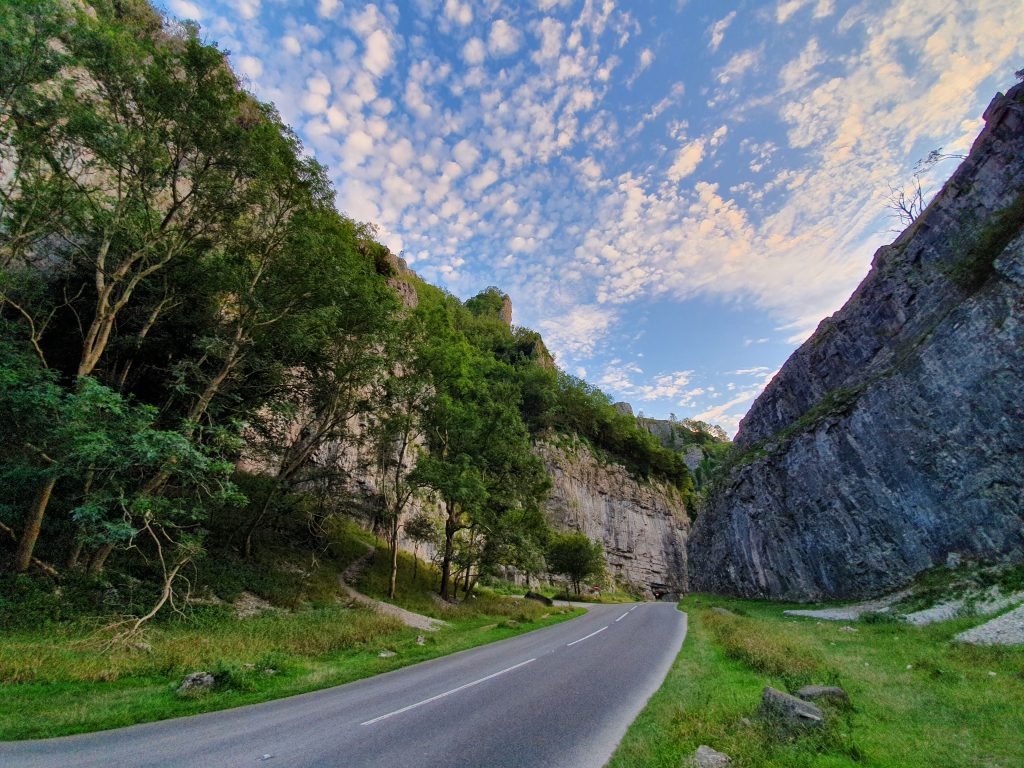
<point x="622" y="617"/>
<point x="602" y="629"/>
<point x="449" y="693"/>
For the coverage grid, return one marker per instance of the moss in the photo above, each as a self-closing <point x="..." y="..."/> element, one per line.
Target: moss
<point x="977" y="264"/>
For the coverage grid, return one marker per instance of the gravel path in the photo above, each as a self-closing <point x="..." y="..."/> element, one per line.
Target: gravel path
<point x="410" y="619"/>
<point x="1007" y="629"/>
<point x="851" y="612"/>
<point x="993" y="602"/>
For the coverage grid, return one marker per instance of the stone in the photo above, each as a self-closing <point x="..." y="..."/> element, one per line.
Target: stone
<point x="706" y="757"/>
<point x="953" y="560"/>
<point x="893" y="435"/>
<point x="624" y="408"/>
<point x="505" y="313"/>
<point x="531" y="595"/>
<point x="197" y="682"/>
<point x="421" y="640"/>
<point x="386" y="654"/>
<point x="831" y="693"/>
<point x="779" y="706"/>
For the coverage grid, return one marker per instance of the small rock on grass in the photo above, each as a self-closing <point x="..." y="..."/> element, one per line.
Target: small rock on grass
<point x="776" y="705"/>
<point x="420" y="640"/>
<point x="386" y="654"/>
<point x="196" y="682"/>
<point x="706" y="757"/>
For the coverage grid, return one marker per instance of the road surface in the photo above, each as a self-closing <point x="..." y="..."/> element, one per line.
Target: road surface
<point x="559" y="697"/>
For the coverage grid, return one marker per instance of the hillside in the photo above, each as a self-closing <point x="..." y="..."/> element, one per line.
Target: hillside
<point x="893" y="436"/>
<point x="194" y="339"/>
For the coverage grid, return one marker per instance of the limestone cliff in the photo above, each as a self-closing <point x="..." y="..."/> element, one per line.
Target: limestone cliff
<point x="895" y="434"/>
<point x="642" y="525"/>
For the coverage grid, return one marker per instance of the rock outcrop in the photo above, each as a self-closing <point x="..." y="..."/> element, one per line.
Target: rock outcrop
<point x="895" y="434"/>
<point x="642" y="525"/>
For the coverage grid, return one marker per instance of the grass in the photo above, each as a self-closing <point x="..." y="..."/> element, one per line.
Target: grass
<point x="918" y="700"/>
<point x="63" y="677"/>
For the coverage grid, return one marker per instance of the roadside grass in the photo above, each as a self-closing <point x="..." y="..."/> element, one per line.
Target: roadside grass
<point x="59" y="677"/>
<point x="917" y="700"/>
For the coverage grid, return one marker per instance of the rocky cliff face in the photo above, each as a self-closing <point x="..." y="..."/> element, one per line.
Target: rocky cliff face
<point x="642" y="526"/>
<point x="895" y="434"/>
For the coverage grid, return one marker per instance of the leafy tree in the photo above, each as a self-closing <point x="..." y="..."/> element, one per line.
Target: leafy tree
<point x="576" y="557"/>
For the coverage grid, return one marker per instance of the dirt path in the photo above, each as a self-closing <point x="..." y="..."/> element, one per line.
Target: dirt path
<point x="410" y="619"/>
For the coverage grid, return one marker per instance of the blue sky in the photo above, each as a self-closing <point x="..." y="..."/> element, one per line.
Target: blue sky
<point x="673" y="192"/>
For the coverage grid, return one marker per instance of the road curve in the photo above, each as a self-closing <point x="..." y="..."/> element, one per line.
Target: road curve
<point x="559" y="697"/>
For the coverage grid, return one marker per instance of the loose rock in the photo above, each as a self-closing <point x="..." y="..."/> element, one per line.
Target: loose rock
<point x="386" y="654"/>
<point x="706" y="757"/>
<point x="197" y="681"/>
<point x="776" y="705"/>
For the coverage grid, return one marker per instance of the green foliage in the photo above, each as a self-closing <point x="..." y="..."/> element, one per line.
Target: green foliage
<point x="977" y="263"/>
<point x="576" y="557"/>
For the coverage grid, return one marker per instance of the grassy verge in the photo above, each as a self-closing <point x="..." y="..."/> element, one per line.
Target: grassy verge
<point x="918" y="701"/>
<point x="64" y="677"/>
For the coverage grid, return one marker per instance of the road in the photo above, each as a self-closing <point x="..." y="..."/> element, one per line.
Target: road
<point x="559" y="697"/>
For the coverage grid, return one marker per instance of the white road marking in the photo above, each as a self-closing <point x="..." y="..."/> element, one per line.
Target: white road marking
<point x="602" y="629"/>
<point x="622" y="617"/>
<point x="633" y="609"/>
<point x="447" y="693"/>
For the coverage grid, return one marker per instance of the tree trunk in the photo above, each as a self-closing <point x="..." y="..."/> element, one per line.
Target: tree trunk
<point x="394" y="561"/>
<point x="449" y="550"/>
<point x="100" y="559"/>
<point x="251" y="530"/>
<point x="33" y="523"/>
<point x="75" y="553"/>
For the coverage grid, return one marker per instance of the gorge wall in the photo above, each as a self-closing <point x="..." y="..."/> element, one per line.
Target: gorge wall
<point x="642" y="525"/>
<point x="895" y="434"/>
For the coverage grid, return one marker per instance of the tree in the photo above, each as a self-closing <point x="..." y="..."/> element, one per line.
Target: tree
<point x="576" y="557"/>
<point x="395" y="430"/>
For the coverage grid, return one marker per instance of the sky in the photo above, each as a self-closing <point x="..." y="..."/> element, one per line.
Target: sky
<point x="673" y="192"/>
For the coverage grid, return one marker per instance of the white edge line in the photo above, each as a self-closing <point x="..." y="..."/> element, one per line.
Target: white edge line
<point x="602" y="629"/>
<point x="622" y="617"/>
<point x="633" y="609"/>
<point x="447" y="693"/>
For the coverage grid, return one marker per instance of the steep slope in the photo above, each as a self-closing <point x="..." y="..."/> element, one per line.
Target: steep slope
<point x="894" y="434"/>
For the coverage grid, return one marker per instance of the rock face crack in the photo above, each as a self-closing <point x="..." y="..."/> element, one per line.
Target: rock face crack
<point x="895" y="434"/>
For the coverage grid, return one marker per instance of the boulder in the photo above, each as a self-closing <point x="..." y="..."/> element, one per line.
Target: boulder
<point x="776" y="705"/>
<point x="196" y="682"/>
<point x="706" y="757"/>
<point x="531" y="595"/>
<point x="831" y="693"/>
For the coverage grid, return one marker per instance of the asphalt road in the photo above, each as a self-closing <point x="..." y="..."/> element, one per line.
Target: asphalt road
<point x="560" y="697"/>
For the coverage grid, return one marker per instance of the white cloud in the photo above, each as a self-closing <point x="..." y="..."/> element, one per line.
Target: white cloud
<point x="716" y="32"/>
<point x="646" y="58"/>
<point x="577" y="331"/>
<point x="739" y="65"/>
<point x="474" y="52"/>
<point x="377" y="58"/>
<point x="291" y="44"/>
<point x="504" y="38"/>
<point x="184" y="9"/>
<point x="687" y="159"/>
<point x="466" y="154"/>
<point x="326" y="8"/>
<point x="787" y="8"/>
<point x="459" y="12"/>
<point x="249" y="66"/>
<point x="550" y="32"/>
